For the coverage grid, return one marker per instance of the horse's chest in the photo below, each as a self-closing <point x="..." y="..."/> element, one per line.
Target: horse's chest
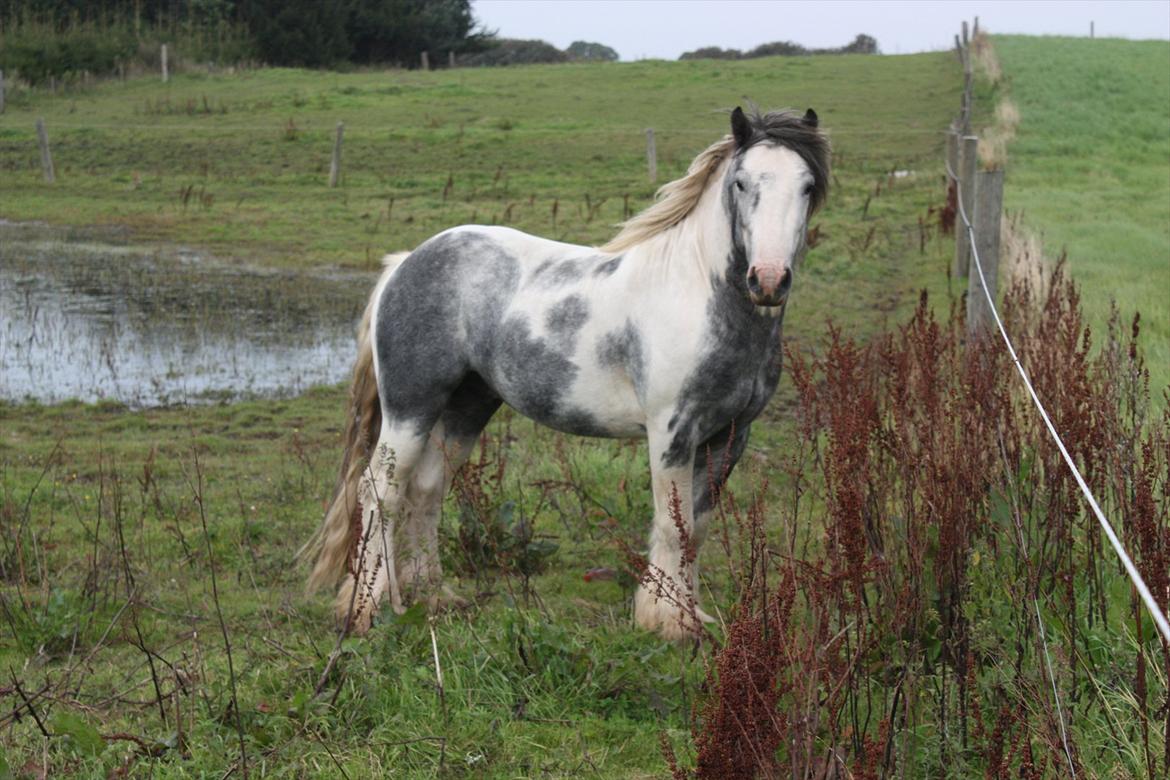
<point x="727" y="387"/>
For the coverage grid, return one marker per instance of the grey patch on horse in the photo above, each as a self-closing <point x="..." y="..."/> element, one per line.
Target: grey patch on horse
<point x="559" y="273"/>
<point x="564" y="319"/>
<point x="534" y="376"/>
<point x="714" y="460"/>
<point x="734" y="379"/>
<point x="622" y="349"/>
<point x="738" y="258"/>
<point x="423" y="356"/>
<point x="609" y="267"/>
<point x="469" y="408"/>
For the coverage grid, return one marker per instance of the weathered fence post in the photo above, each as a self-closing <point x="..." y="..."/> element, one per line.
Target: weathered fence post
<point x="46" y="156"/>
<point x="426" y="61"/>
<point x="1092" y="32"/>
<point x="651" y="155"/>
<point x="450" y="59"/>
<point x="968" y="153"/>
<point x="988" y="210"/>
<point x="335" y="166"/>
<point x="975" y="28"/>
<point x="952" y="150"/>
<point x="165" y="73"/>
<point x="966" y="40"/>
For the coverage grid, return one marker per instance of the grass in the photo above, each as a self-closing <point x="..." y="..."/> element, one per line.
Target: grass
<point x="238" y="164"/>
<point x="1090" y="169"/>
<point x="558" y="682"/>
<point x="111" y="521"/>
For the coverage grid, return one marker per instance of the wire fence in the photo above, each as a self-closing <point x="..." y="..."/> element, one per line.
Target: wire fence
<point x="985" y="309"/>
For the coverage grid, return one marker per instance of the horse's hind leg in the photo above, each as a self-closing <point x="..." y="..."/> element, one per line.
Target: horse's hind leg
<point x="374" y="573"/>
<point x="450" y="443"/>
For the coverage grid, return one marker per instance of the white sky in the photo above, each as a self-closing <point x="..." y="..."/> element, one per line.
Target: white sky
<point x="664" y="29"/>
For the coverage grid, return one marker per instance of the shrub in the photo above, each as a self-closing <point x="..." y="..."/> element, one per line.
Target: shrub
<point x="590" y="52"/>
<point x="507" y="51"/>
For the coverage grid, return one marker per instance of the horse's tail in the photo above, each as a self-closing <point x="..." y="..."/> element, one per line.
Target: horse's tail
<point x="335" y="542"/>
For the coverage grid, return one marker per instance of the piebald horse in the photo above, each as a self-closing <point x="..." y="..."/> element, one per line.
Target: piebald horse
<point x="670" y="332"/>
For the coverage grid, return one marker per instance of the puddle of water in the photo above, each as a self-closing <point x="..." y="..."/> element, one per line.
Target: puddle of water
<point x="94" y="320"/>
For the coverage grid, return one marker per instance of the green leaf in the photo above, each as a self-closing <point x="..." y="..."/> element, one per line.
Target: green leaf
<point x="83" y="737"/>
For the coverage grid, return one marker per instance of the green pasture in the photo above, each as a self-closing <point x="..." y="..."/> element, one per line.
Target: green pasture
<point x="1090" y="169"/>
<point x="552" y="682"/>
<point x="113" y="522"/>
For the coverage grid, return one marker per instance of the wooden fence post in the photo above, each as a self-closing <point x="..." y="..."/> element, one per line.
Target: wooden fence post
<point x="46" y="156"/>
<point x="426" y="61"/>
<point x="651" y="155"/>
<point x="968" y="153"/>
<point x="966" y="40"/>
<point x="1092" y="32"/>
<point x="975" y="28"/>
<point x="450" y="59"/>
<point x="165" y="73"/>
<point x="335" y="165"/>
<point x="988" y="210"/>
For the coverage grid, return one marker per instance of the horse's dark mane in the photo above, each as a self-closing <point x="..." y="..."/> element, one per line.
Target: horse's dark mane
<point x="789" y="129"/>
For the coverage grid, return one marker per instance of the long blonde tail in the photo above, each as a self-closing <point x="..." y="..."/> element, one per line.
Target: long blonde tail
<point x="334" y="544"/>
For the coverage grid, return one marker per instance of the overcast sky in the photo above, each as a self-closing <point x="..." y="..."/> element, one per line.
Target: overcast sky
<point x="664" y="29"/>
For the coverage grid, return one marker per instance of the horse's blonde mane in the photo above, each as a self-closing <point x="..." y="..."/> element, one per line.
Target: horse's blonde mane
<point x="674" y="200"/>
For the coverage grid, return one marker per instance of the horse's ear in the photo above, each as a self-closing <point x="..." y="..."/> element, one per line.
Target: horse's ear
<point x="741" y="128"/>
<point x="810" y="118"/>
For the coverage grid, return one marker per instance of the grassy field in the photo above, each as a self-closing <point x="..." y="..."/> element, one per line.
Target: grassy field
<point x="553" y="683"/>
<point x="153" y="614"/>
<point x="1090" y="169"/>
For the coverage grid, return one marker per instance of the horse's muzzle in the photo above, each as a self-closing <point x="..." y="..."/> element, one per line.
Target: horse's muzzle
<point x="769" y="285"/>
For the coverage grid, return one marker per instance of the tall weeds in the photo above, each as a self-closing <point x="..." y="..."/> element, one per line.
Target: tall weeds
<point x="952" y="557"/>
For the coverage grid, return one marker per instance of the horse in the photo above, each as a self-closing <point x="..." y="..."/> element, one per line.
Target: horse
<point x="670" y="332"/>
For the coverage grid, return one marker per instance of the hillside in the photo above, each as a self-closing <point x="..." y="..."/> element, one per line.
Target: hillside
<point x="1090" y="169"/>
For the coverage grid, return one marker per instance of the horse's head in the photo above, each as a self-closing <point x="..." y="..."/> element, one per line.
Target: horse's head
<point x="777" y="177"/>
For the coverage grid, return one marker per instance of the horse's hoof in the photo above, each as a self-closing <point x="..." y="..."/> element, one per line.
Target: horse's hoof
<point x="667" y="620"/>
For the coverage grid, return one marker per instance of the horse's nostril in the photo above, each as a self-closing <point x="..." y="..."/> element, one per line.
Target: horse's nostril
<point x="753" y="280"/>
<point x="786" y="280"/>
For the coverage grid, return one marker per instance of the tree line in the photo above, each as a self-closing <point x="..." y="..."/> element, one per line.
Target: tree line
<point x="862" y="44"/>
<point x="57" y="37"/>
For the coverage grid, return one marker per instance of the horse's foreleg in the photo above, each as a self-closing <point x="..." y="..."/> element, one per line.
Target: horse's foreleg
<point x="714" y="461"/>
<point x="666" y="601"/>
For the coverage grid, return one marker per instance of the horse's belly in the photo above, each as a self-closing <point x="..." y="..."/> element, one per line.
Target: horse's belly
<point x="581" y="400"/>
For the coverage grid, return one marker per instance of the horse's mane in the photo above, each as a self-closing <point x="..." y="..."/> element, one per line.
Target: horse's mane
<point x="676" y="199"/>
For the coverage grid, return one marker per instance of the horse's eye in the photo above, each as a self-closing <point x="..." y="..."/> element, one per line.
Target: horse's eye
<point x="808" y="190"/>
<point x="739" y="185"/>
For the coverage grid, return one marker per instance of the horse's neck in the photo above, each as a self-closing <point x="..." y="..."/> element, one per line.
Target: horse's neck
<point x="696" y="248"/>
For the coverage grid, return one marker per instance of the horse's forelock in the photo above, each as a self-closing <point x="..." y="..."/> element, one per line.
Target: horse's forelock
<point x="791" y="130"/>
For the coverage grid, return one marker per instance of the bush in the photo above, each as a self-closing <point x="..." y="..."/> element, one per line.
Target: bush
<point x="35" y="52"/>
<point x="591" y="52"/>
<point x="508" y="51"/>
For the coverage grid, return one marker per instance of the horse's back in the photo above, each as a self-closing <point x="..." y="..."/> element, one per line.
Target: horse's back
<point x="533" y="318"/>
